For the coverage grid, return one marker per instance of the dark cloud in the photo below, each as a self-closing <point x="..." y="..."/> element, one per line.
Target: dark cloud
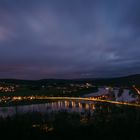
<point x="69" y="38"/>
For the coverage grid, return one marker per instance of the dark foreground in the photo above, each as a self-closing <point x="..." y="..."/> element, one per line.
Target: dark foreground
<point x="107" y="122"/>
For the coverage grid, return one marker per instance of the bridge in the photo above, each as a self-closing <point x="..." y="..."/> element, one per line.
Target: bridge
<point x="76" y="98"/>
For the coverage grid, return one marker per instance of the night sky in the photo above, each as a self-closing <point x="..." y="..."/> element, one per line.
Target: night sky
<point x="69" y="38"/>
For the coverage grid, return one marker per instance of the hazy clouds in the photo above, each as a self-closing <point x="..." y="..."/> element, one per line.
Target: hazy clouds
<point x="69" y="38"/>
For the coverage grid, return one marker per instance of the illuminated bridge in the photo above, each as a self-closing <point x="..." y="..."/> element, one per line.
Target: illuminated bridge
<point x="77" y="99"/>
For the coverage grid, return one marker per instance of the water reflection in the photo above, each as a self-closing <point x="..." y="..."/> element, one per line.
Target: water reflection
<point x="70" y="106"/>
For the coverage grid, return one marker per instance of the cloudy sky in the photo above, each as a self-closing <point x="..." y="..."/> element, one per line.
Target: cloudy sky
<point x="69" y="38"/>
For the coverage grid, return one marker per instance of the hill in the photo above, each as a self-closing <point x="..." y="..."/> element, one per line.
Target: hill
<point x="117" y="81"/>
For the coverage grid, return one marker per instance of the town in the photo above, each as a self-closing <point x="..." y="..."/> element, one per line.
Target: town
<point x="11" y="93"/>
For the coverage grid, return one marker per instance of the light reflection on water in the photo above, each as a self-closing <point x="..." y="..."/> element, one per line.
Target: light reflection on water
<point x="70" y="106"/>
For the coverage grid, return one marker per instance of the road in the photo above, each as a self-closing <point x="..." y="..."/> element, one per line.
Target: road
<point x="137" y="90"/>
<point x="82" y="99"/>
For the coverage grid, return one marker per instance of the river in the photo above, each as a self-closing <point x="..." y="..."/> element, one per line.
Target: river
<point x="70" y="106"/>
